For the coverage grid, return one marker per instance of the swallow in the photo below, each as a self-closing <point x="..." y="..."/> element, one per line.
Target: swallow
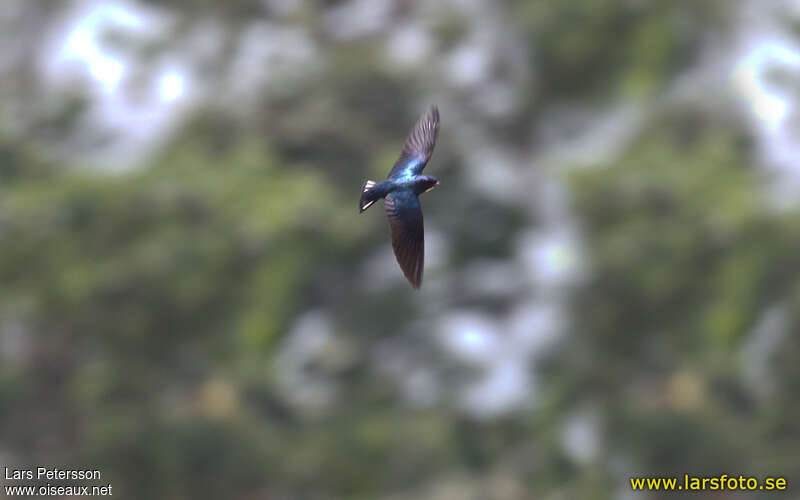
<point x="400" y="192"/>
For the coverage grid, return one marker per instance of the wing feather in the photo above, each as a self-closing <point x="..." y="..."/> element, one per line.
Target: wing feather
<point x="408" y="235"/>
<point x="418" y="148"/>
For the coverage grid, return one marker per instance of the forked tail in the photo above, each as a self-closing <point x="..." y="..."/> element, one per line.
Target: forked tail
<point x="369" y="195"/>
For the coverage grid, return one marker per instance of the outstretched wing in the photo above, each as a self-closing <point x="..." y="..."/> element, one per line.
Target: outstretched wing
<point x="408" y="235"/>
<point x="418" y="148"/>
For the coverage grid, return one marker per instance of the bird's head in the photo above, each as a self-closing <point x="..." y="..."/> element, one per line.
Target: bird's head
<point x="426" y="183"/>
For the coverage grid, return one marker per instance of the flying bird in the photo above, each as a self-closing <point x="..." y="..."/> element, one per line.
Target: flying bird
<point x="400" y="192"/>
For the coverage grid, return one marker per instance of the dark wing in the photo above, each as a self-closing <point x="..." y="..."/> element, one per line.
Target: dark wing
<point x="408" y="236"/>
<point x="418" y="148"/>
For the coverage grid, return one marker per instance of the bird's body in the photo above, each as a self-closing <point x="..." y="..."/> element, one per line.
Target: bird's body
<point x="400" y="192"/>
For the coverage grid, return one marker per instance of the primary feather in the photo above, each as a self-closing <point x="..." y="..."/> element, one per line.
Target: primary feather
<point x="418" y="148"/>
<point x="408" y="234"/>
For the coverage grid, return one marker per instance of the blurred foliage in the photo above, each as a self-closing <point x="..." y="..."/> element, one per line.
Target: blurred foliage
<point x="144" y="313"/>
<point x="686" y="257"/>
<point x="591" y="48"/>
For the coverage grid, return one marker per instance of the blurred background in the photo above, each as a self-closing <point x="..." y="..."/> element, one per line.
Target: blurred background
<point x="192" y="304"/>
